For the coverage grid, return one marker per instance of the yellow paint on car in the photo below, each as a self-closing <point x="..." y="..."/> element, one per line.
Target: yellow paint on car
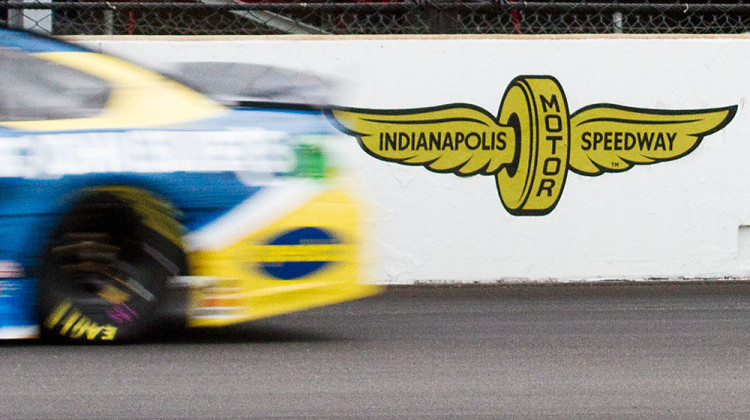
<point x="139" y="98"/>
<point x="243" y="291"/>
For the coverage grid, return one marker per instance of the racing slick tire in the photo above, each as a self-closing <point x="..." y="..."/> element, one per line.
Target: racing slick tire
<point x="104" y="276"/>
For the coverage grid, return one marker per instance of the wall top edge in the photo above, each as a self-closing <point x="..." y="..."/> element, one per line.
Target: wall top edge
<point x="393" y="37"/>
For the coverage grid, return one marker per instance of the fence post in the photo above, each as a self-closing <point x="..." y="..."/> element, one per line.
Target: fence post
<point x="443" y="21"/>
<point x="109" y="22"/>
<point x="617" y="21"/>
<point x="15" y="18"/>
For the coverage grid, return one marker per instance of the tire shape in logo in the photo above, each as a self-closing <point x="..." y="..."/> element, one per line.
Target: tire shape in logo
<point x="534" y="182"/>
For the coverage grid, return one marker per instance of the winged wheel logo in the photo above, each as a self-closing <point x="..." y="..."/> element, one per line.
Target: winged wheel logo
<point x="532" y="142"/>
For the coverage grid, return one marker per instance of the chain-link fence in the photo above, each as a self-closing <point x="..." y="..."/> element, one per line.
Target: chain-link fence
<point x="248" y="17"/>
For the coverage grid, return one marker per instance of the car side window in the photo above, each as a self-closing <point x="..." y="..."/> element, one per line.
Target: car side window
<point x="32" y="88"/>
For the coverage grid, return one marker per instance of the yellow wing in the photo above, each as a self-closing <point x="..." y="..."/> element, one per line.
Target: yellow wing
<point x="611" y="138"/>
<point x="459" y="138"/>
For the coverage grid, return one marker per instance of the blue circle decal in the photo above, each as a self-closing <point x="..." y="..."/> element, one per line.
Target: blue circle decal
<point x="298" y="253"/>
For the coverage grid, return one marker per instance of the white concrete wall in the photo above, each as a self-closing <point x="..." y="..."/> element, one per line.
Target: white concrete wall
<point x="673" y="220"/>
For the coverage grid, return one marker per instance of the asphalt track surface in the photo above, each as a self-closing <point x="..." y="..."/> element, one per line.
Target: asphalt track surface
<point x="675" y="351"/>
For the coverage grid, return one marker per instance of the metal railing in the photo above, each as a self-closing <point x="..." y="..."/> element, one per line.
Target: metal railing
<point x="247" y="17"/>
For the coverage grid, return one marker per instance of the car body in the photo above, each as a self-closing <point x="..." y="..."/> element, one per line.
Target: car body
<point x="129" y="199"/>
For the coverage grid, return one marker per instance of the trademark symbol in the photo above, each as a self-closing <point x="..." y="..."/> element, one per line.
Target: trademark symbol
<point x="615" y="164"/>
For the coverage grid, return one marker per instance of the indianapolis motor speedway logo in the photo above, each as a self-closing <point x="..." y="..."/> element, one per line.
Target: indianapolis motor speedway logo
<point x="533" y="141"/>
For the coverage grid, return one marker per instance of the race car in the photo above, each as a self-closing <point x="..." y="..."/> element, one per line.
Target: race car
<point x="130" y="201"/>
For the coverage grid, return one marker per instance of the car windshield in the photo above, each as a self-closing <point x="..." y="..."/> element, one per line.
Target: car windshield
<point x="32" y="88"/>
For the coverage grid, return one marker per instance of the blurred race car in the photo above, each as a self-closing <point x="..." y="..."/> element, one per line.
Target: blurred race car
<point x="129" y="200"/>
